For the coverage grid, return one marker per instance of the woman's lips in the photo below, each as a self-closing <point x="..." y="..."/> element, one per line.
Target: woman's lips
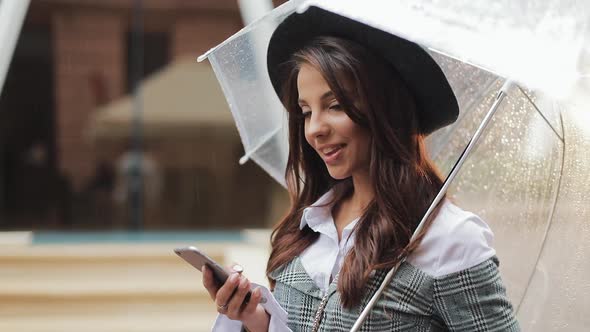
<point x="332" y="154"/>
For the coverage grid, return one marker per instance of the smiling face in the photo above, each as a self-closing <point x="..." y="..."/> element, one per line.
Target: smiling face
<point x="341" y="143"/>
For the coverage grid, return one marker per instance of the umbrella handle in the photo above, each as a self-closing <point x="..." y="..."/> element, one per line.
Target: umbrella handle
<point x="455" y="170"/>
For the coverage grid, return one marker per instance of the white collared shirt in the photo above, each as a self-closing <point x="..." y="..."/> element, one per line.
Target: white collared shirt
<point x="456" y="240"/>
<point x="327" y="252"/>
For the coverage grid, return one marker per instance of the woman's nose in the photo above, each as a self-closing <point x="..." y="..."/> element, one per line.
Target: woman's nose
<point x="317" y="125"/>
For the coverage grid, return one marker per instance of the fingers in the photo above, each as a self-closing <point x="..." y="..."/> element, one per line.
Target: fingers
<point x="224" y="294"/>
<point x="209" y="282"/>
<point x="230" y="297"/>
<point x="237" y="300"/>
<point x="250" y="308"/>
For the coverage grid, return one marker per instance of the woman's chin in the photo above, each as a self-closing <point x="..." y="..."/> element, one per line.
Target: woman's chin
<point x="338" y="174"/>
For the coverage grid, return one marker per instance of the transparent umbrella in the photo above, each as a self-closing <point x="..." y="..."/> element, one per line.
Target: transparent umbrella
<point x="524" y="166"/>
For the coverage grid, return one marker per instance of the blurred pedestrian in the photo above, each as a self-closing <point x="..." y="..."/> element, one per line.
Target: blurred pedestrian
<point x="138" y="185"/>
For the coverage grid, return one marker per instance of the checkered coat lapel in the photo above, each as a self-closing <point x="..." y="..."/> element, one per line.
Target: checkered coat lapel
<point x="470" y="300"/>
<point x="301" y="298"/>
<point x="294" y="275"/>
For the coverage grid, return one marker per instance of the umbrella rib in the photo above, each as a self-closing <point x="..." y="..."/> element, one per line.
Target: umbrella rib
<point x="542" y="115"/>
<point x="263" y="141"/>
<point x="550" y="223"/>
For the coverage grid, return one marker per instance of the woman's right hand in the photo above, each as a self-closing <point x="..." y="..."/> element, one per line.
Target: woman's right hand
<point x="229" y="299"/>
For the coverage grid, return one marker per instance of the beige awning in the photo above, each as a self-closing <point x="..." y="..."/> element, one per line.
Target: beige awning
<point x="181" y="99"/>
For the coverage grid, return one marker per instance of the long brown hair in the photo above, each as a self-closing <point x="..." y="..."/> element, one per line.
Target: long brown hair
<point x="405" y="181"/>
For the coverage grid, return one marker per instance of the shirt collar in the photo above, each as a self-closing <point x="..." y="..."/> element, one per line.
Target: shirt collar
<point x="318" y="216"/>
<point x="317" y="213"/>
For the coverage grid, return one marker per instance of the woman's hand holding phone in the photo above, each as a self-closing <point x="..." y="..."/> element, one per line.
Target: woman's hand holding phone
<point x="230" y="299"/>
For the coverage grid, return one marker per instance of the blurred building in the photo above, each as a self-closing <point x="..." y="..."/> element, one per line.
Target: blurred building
<point x="65" y="121"/>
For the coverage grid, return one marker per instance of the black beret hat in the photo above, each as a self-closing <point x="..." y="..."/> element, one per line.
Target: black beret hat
<point x="436" y="102"/>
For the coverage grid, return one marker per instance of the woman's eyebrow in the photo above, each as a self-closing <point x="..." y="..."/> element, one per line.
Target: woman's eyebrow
<point x="328" y="94"/>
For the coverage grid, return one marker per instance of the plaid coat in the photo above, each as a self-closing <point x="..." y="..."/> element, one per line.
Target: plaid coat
<point x="470" y="300"/>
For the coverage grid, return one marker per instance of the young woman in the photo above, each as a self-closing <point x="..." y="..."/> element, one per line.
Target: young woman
<point x="360" y="103"/>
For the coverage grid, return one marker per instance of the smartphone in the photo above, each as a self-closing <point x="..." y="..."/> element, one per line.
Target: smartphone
<point x="197" y="259"/>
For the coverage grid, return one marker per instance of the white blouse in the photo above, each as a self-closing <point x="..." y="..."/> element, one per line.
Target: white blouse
<point x="456" y="240"/>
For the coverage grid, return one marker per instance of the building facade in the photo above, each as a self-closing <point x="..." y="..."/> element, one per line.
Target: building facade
<point x="73" y="57"/>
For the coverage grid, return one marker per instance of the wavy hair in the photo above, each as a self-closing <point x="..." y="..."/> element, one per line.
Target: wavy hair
<point x="404" y="180"/>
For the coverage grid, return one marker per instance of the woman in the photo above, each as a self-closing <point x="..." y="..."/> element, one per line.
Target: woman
<point x="360" y="183"/>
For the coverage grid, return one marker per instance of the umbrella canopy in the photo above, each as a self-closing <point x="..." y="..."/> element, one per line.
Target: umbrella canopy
<point x="178" y="100"/>
<point x="528" y="174"/>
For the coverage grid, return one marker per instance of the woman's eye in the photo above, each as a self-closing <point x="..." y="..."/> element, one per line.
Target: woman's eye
<point x="305" y="114"/>
<point x="336" y="107"/>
